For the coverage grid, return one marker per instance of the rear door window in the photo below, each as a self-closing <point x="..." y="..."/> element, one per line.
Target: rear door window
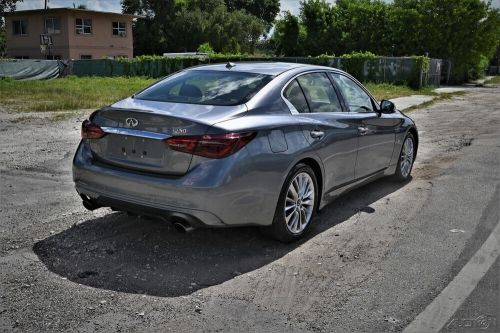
<point x="319" y="93"/>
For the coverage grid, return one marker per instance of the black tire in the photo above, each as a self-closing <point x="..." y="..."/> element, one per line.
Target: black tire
<point x="399" y="175"/>
<point x="279" y="229"/>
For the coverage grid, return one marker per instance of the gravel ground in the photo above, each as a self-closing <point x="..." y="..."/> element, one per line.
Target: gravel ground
<point x="375" y="258"/>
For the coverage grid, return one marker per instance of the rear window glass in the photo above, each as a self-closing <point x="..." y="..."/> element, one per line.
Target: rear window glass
<point x="206" y="87"/>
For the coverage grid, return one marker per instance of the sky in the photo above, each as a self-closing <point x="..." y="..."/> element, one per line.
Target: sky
<point x="114" y="5"/>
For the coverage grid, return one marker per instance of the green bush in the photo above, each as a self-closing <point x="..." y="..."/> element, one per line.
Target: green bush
<point x="354" y="64"/>
<point x="206" y="48"/>
<point x="420" y="72"/>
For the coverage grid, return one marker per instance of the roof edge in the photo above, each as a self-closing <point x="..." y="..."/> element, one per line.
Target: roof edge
<point x="41" y="10"/>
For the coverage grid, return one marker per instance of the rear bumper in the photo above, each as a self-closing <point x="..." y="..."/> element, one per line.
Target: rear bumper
<point x="194" y="218"/>
<point x="215" y="193"/>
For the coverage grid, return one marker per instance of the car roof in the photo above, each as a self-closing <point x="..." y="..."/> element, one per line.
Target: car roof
<point x="268" y="68"/>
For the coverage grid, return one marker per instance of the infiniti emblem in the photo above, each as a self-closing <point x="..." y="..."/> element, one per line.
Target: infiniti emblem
<point x="131" y="122"/>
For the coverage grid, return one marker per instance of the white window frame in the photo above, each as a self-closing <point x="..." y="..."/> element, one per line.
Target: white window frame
<point x="52" y="19"/>
<point x="80" y="28"/>
<point x="119" y="31"/>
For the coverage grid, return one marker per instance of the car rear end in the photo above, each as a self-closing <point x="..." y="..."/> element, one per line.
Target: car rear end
<point x="154" y="154"/>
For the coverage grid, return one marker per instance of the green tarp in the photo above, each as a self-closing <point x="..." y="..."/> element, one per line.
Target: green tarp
<point x="31" y="69"/>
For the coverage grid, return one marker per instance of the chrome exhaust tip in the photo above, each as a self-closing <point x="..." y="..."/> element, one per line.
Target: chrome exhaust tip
<point x="183" y="227"/>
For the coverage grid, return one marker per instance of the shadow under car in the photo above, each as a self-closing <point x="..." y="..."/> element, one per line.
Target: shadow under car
<point x="148" y="256"/>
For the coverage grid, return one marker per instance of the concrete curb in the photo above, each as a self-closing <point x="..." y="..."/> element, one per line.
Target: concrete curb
<point x="406" y="102"/>
<point x="403" y="103"/>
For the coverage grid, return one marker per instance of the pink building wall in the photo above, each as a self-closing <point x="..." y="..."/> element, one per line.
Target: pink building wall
<point x="68" y="44"/>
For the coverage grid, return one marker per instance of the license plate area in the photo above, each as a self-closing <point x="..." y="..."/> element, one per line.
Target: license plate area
<point x="140" y="153"/>
<point x="140" y="148"/>
<point x="132" y="151"/>
<point x="136" y="149"/>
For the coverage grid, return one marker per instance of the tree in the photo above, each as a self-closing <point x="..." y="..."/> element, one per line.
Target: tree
<point x="467" y="32"/>
<point x="289" y="36"/>
<point x="188" y="30"/>
<point x="463" y="31"/>
<point x="5" y="6"/>
<point x="488" y="41"/>
<point x="233" y="32"/>
<point x="205" y="48"/>
<point x="245" y="29"/>
<point x="495" y="60"/>
<point x="319" y="21"/>
<point x="266" y="10"/>
<point x="151" y="33"/>
<point x="183" y="25"/>
<point x="8" y="6"/>
<point x="3" y="46"/>
<point x="364" y="26"/>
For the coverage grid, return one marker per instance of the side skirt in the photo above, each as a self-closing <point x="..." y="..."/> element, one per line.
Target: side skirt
<point x="346" y="187"/>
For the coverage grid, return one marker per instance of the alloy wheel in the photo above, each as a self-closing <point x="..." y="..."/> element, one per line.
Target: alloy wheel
<point x="406" y="157"/>
<point x="299" y="203"/>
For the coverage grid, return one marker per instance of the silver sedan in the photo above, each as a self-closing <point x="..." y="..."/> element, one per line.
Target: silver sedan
<point x="265" y="144"/>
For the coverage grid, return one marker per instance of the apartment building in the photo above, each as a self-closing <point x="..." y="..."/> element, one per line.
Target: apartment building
<point x="68" y="33"/>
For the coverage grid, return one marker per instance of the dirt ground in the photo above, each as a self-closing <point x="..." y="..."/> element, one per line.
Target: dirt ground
<point x="374" y="259"/>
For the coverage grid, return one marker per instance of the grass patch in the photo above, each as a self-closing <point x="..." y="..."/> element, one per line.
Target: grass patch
<point x="388" y="91"/>
<point x="494" y="80"/>
<point x="68" y="93"/>
<point x="73" y="93"/>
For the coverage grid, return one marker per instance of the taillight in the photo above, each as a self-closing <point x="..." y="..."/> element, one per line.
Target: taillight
<point x="91" y="130"/>
<point x="211" y="145"/>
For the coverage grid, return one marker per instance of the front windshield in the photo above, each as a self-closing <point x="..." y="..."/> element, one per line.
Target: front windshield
<point x="207" y="87"/>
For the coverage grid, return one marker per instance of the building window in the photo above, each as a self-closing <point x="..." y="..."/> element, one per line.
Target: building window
<point x="20" y="27"/>
<point x="83" y="26"/>
<point x="52" y="25"/>
<point x="22" y="57"/>
<point x="120" y="29"/>
<point x="85" y="57"/>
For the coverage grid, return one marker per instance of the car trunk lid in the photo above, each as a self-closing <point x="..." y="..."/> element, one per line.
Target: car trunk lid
<point x="134" y="137"/>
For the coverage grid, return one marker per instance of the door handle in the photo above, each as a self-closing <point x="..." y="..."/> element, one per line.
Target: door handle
<point x="362" y="130"/>
<point x="317" y="134"/>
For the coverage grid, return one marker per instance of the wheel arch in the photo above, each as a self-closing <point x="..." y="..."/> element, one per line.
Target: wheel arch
<point x="316" y="167"/>
<point x="414" y="132"/>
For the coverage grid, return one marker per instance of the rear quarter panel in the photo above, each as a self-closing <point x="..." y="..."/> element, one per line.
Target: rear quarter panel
<point x="270" y="165"/>
<point x="405" y="124"/>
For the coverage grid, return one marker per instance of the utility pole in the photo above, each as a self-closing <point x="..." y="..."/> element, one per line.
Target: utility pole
<point x="46" y="3"/>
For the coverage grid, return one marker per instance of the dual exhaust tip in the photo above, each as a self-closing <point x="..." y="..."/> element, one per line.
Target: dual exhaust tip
<point x="180" y="223"/>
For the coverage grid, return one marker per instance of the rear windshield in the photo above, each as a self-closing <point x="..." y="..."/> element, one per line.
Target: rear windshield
<point x="206" y="87"/>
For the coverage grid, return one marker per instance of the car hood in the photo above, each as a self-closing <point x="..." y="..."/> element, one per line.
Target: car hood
<point x="206" y="114"/>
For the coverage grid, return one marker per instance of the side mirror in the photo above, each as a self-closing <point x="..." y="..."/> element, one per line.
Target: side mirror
<point x="387" y="106"/>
